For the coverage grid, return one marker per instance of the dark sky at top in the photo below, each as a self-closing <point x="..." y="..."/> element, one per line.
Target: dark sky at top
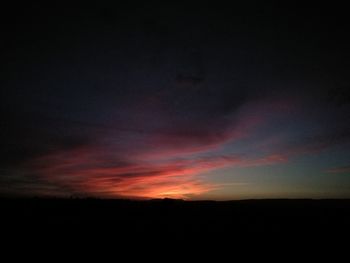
<point x="187" y="101"/>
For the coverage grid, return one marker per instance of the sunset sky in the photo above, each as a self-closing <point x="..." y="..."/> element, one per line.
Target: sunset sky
<point x="192" y="102"/>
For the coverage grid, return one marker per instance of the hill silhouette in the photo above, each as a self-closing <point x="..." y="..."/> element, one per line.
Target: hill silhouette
<point x="177" y="218"/>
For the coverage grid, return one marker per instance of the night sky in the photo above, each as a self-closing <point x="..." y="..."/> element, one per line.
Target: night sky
<point x="179" y="101"/>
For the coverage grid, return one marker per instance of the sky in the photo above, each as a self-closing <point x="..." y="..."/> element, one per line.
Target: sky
<point x="194" y="102"/>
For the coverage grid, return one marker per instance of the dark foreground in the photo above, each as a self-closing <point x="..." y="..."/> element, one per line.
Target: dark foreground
<point x="164" y="221"/>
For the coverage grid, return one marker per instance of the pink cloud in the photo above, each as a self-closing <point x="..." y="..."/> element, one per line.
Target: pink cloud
<point x="147" y="180"/>
<point x="191" y="140"/>
<point x="163" y="163"/>
<point x="338" y="170"/>
<point x="85" y="171"/>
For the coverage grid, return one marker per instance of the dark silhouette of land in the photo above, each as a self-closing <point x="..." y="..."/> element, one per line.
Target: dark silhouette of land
<point x="233" y="229"/>
<point x="175" y="219"/>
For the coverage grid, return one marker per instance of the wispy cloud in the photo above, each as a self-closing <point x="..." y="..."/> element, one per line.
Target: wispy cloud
<point x="88" y="171"/>
<point x="164" y="160"/>
<point x="339" y="170"/>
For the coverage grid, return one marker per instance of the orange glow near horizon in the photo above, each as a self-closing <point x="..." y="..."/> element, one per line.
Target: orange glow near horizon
<point x="85" y="173"/>
<point x="82" y="172"/>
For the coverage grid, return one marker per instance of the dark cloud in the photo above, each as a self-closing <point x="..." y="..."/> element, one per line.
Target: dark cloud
<point x="317" y="143"/>
<point x="94" y="99"/>
<point x="339" y="170"/>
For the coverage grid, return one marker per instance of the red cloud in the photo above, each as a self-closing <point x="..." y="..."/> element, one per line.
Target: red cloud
<point x="149" y="166"/>
<point x="188" y="140"/>
<point x="84" y="171"/>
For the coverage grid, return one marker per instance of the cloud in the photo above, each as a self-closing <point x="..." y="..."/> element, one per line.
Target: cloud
<point x="147" y="115"/>
<point x="21" y="182"/>
<point x="313" y="145"/>
<point x="158" y="154"/>
<point x="197" y="138"/>
<point x="188" y="79"/>
<point x="88" y="171"/>
<point x="145" y="157"/>
<point x="339" y="170"/>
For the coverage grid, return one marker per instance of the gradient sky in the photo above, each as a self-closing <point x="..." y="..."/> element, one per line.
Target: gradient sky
<point x="193" y="102"/>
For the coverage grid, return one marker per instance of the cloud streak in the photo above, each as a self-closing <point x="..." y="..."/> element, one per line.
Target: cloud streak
<point x="161" y="151"/>
<point x="339" y="170"/>
<point x="87" y="172"/>
<point x="166" y="159"/>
